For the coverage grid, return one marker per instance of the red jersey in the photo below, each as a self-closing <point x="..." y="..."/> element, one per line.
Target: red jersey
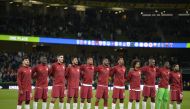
<point x="163" y="74"/>
<point x="24" y="78"/>
<point x="57" y="70"/>
<point x="103" y="74"/>
<point x="150" y="75"/>
<point x="73" y="76"/>
<point x="134" y="78"/>
<point x="176" y="81"/>
<point x="118" y="72"/>
<point x="87" y="73"/>
<point x="41" y="75"/>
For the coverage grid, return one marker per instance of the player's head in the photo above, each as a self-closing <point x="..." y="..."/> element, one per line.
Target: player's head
<point x="74" y="60"/>
<point x="151" y="61"/>
<point x="43" y="59"/>
<point x="167" y="64"/>
<point x="136" y="63"/>
<point x="176" y="67"/>
<point x="60" y="58"/>
<point x="25" y="61"/>
<point x="105" y="61"/>
<point x="90" y="60"/>
<point x="120" y="60"/>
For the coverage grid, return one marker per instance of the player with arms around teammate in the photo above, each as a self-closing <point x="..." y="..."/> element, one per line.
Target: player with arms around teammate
<point x="40" y="74"/>
<point x="73" y="78"/>
<point x="87" y="74"/>
<point x="102" y="85"/>
<point x="163" y="92"/>
<point x="24" y="79"/>
<point x="57" y="71"/>
<point x="149" y="89"/>
<point x="176" y="85"/>
<point x="134" y="78"/>
<point x="118" y="72"/>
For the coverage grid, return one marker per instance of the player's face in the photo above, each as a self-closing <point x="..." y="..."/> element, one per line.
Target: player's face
<point x="90" y="61"/>
<point x="137" y="65"/>
<point x="43" y="60"/>
<point x="75" y="61"/>
<point x="152" y="62"/>
<point x="176" y="68"/>
<point x="106" y="62"/>
<point x="26" y="62"/>
<point x="167" y="64"/>
<point x="60" y="58"/>
<point x="121" y="61"/>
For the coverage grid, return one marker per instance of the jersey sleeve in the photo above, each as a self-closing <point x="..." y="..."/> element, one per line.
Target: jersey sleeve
<point x="19" y="79"/>
<point x="34" y="70"/>
<point x="181" y="83"/>
<point x="158" y="72"/>
<point x="128" y="78"/>
<point x="112" y="71"/>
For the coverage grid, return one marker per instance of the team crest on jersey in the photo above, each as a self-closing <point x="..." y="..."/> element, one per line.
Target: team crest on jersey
<point x="77" y="70"/>
<point x="107" y="68"/>
<point x="139" y="73"/>
<point x="30" y="70"/>
<point x="46" y="69"/>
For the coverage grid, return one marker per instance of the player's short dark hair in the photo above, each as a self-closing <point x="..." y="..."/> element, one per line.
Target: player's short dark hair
<point x="73" y="57"/>
<point x="59" y="54"/>
<point x="151" y="58"/>
<point x="119" y="57"/>
<point x="134" y="62"/>
<point x="25" y="57"/>
<point x="88" y="57"/>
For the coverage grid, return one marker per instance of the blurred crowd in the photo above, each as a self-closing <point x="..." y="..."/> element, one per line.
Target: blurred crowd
<point x="9" y="62"/>
<point x="98" y="24"/>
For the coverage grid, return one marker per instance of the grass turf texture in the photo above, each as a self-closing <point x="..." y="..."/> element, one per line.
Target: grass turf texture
<point x="8" y="100"/>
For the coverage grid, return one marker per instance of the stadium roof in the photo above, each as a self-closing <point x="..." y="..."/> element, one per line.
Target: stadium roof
<point x="127" y="4"/>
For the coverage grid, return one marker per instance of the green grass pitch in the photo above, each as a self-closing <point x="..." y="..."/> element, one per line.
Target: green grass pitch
<point x="8" y="100"/>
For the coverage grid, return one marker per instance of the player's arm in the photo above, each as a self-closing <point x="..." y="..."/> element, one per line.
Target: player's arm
<point x="181" y="83"/>
<point x="128" y="77"/>
<point x="143" y="72"/>
<point x="96" y="71"/>
<point x="19" y="79"/>
<point x="51" y="70"/>
<point x="34" y="74"/>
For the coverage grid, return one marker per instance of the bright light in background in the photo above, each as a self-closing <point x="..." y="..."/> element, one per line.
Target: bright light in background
<point x="80" y="7"/>
<point x="117" y="9"/>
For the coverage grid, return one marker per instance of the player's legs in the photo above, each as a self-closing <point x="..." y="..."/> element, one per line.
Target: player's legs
<point x="83" y="95"/>
<point x="76" y="91"/>
<point x="70" y="95"/>
<point x="37" y="95"/>
<point x="121" y="98"/>
<point x="165" y="99"/>
<point x="99" y="95"/>
<point x="61" y="97"/>
<point x="137" y="97"/>
<point x="115" y="96"/>
<point x="44" y="98"/>
<point x="105" y="96"/>
<point x="152" y="95"/>
<point x="179" y="100"/>
<point x="131" y="98"/>
<point x="54" y="95"/>
<point x="159" y="97"/>
<point x="146" y="94"/>
<point x="89" y="96"/>
<point x="27" y="101"/>
<point x="21" y="98"/>
<point x="173" y="98"/>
